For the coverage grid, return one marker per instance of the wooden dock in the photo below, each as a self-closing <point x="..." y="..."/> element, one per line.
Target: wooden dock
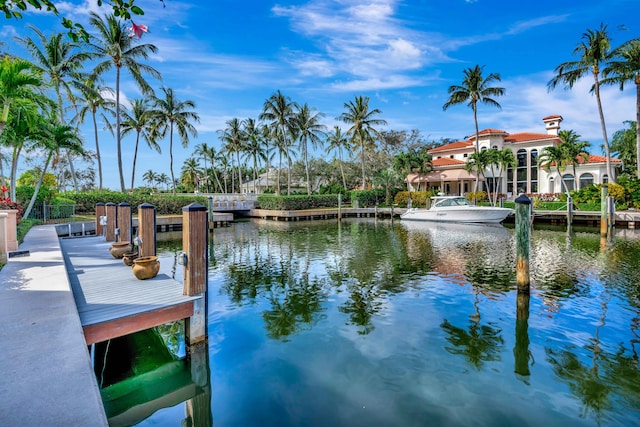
<point x="111" y="302"/>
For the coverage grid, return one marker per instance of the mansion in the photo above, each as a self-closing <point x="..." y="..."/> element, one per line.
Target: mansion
<point x="449" y="176"/>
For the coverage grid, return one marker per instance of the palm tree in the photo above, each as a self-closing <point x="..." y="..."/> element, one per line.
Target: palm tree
<point x="626" y="67"/>
<point x="58" y="59"/>
<point x="254" y="147"/>
<point x="362" y="128"/>
<point x="138" y="120"/>
<point x="575" y="150"/>
<point x="163" y="178"/>
<point x="474" y="89"/>
<point x="19" y="81"/>
<point x="478" y="162"/>
<point x="498" y="162"/>
<point x="311" y="131"/>
<point x="337" y="142"/>
<point x="53" y="138"/>
<point x="235" y="141"/>
<point x="169" y="114"/>
<point x="554" y="155"/>
<point x="114" y="44"/>
<point x="90" y="100"/>
<point x="202" y="150"/>
<point x="190" y="174"/>
<point x="150" y="177"/>
<point x="592" y="52"/>
<point x="278" y="110"/>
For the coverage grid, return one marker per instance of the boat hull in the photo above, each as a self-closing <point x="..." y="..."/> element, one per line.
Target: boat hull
<point x="476" y="214"/>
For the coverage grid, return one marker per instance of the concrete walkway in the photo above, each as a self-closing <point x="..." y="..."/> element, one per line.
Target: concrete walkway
<point x="46" y="376"/>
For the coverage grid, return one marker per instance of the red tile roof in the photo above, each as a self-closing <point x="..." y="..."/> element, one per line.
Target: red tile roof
<point x="446" y="161"/>
<point x="490" y="131"/>
<point x="554" y="116"/>
<point x="598" y="159"/>
<point x="528" y="136"/>
<point x="453" y="146"/>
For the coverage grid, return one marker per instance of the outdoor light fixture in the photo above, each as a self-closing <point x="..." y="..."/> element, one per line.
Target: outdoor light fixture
<point x="182" y="258"/>
<point x="137" y="241"/>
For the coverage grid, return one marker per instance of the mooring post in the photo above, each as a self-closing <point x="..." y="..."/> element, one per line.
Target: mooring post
<point x="569" y="211"/>
<point x="611" y="212"/>
<point x="210" y="210"/>
<point x="100" y="212"/>
<point x="147" y="229"/>
<point x="111" y="210"/>
<point x="194" y="246"/>
<point x="339" y="207"/>
<point x="603" y="210"/>
<point x="125" y="222"/>
<point x="523" y="231"/>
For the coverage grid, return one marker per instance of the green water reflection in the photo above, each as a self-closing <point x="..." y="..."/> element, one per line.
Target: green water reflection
<point x="380" y="323"/>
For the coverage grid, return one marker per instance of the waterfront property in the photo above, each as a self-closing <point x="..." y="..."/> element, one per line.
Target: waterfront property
<point x="450" y="177"/>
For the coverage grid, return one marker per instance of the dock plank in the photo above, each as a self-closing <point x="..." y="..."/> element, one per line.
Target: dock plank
<point x="106" y="291"/>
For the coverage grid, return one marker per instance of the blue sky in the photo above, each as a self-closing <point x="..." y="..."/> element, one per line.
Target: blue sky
<point x="229" y="56"/>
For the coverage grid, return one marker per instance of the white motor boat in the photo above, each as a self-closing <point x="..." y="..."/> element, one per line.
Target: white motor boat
<point x="456" y="209"/>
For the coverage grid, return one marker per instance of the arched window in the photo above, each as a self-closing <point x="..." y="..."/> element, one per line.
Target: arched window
<point x="586" y="179"/>
<point x="605" y="179"/>
<point x="521" y="171"/>
<point x="552" y="185"/>
<point x="568" y="181"/>
<point x="534" y="170"/>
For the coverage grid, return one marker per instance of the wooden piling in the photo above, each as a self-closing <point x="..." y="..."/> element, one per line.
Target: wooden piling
<point x="339" y="207"/>
<point x="125" y="222"/>
<point x="603" y="210"/>
<point x="523" y="232"/>
<point x="111" y="210"/>
<point x="100" y="212"/>
<point x="194" y="245"/>
<point x="569" y="211"/>
<point x="147" y="229"/>
<point x="611" y="211"/>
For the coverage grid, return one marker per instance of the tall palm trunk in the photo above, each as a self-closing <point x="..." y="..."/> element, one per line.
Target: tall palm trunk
<point x="475" y="121"/>
<point x="364" y="177"/>
<point x="32" y="202"/>
<point x="173" y="180"/>
<point x="95" y="132"/>
<point x="239" y="172"/>
<point x="607" y="149"/>
<point x="135" y="157"/>
<point x="118" y="142"/>
<point x="14" y="170"/>
<point x="69" y="160"/>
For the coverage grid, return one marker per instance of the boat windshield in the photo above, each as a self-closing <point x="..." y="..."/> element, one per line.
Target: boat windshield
<point x="452" y="201"/>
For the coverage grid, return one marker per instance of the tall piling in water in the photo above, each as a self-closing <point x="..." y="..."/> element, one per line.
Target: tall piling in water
<point x="523" y="233"/>
<point x="194" y="246"/>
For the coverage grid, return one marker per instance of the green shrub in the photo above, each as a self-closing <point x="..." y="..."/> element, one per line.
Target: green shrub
<point x="418" y="198"/>
<point x="298" y="202"/>
<point x="165" y="205"/>
<point x="369" y="198"/>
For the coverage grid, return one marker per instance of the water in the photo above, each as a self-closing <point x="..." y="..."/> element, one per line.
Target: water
<point x="395" y="324"/>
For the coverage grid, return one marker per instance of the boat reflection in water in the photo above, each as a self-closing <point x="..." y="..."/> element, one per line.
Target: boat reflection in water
<point x="456" y="209"/>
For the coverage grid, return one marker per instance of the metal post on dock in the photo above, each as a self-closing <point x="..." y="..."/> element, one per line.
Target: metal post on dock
<point x="194" y="260"/>
<point x="569" y="211"/>
<point x="147" y="229"/>
<point x="339" y="207"/>
<point x="111" y="210"/>
<point x="100" y="212"/>
<point x="523" y="232"/>
<point x="603" y="210"/>
<point x="125" y="222"/>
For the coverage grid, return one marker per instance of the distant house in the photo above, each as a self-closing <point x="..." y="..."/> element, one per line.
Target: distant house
<point x="269" y="181"/>
<point x="449" y="176"/>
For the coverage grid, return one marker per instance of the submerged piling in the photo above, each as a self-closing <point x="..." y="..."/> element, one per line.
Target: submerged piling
<point x="523" y="232"/>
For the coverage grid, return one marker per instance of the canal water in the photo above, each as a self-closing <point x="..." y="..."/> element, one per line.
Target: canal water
<point x="380" y="323"/>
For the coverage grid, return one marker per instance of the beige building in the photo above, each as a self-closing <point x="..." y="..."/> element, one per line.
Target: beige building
<point x="449" y="176"/>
